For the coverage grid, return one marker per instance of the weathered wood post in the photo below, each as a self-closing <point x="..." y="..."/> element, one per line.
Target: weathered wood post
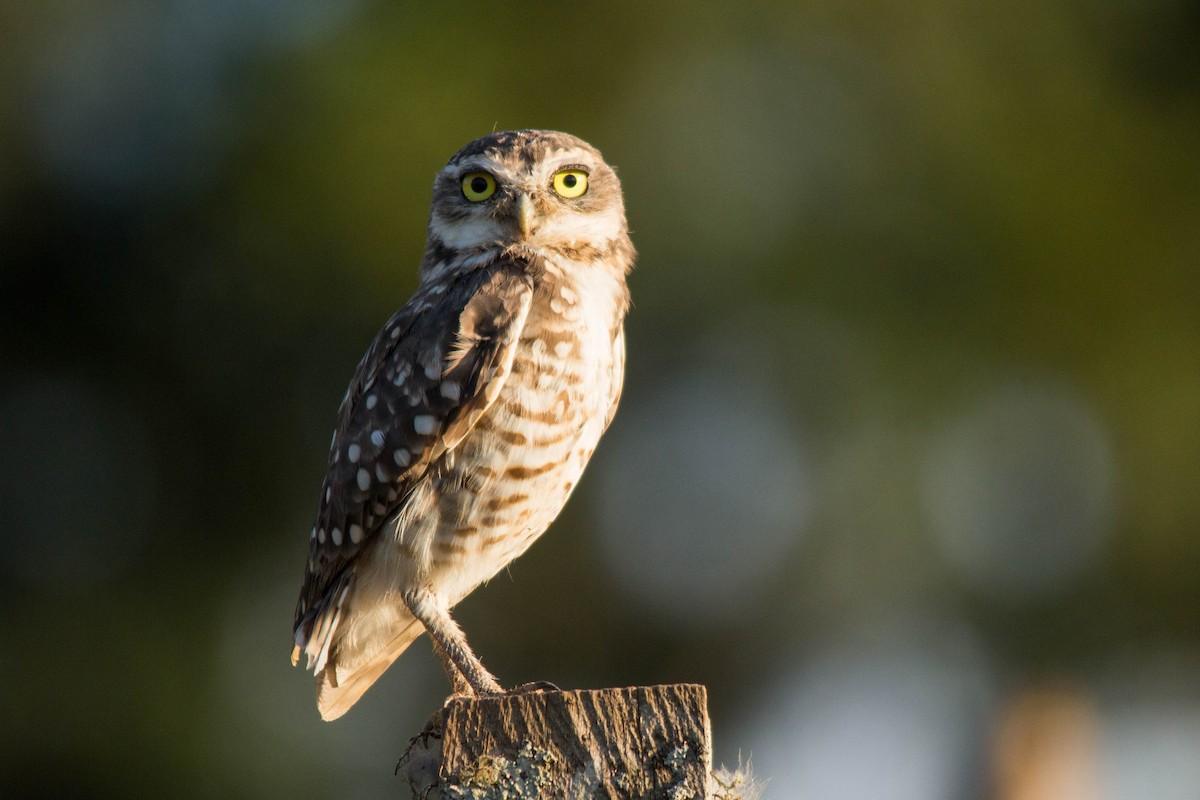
<point x="645" y="742"/>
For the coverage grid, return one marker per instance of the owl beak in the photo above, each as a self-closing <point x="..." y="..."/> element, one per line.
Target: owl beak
<point x="525" y="214"/>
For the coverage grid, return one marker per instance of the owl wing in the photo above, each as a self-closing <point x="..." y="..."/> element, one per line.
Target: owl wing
<point x="430" y="374"/>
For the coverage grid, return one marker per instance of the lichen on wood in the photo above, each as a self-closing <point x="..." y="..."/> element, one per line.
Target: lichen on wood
<point x="617" y="744"/>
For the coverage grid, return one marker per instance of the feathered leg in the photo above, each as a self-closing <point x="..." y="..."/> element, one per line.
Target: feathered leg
<point x="447" y="636"/>
<point x="457" y="681"/>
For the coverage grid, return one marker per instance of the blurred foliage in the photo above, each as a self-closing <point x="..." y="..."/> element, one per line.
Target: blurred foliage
<point x="881" y="210"/>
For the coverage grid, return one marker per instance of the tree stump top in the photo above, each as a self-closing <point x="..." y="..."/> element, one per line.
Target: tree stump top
<point x="639" y="742"/>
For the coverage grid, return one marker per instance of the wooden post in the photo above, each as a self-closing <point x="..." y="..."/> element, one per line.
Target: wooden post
<point x="645" y="742"/>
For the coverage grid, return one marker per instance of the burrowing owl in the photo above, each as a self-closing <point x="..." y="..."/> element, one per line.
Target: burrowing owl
<point x="473" y="413"/>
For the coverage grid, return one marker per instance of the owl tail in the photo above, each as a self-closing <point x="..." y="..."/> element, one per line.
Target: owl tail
<point x="315" y="629"/>
<point x="347" y="674"/>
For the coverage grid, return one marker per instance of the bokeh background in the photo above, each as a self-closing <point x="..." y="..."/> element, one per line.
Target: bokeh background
<point x="907" y="466"/>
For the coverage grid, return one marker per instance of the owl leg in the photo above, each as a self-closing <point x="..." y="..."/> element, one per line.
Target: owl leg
<point x="452" y="672"/>
<point x="447" y="636"/>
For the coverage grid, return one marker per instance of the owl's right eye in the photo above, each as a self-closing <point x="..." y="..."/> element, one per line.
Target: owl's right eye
<point x="478" y="186"/>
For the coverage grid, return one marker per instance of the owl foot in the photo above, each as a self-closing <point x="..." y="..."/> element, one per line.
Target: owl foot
<point x="534" y="686"/>
<point x="421" y="759"/>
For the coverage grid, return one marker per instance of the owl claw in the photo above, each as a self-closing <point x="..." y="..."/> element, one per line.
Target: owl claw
<point x="420" y="759"/>
<point x="534" y="686"/>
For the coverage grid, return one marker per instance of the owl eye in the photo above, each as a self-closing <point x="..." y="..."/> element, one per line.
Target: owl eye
<point x="478" y="186"/>
<point x="570" y="183"/>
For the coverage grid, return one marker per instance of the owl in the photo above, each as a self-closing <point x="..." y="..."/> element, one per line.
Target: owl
<point x="471" y="417"/>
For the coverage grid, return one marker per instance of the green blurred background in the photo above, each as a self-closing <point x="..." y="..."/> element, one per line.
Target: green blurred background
<point x="907" y="466"/>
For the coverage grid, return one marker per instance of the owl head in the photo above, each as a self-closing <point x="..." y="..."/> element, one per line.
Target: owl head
<point x="529" y="189"/>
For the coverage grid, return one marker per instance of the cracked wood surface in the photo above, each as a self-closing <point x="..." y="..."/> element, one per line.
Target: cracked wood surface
<point x="645" y="742"/>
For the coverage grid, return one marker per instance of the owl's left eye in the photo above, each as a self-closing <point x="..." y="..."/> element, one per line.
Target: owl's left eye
<point x="478" y="186"/>
<point x="570" y="183"/>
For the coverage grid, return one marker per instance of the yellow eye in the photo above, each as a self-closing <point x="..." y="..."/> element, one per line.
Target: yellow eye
<point x="478" y="186"/>
<point x="570" y="183"/>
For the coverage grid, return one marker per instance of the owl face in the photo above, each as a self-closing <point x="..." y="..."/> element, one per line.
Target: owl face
<point x="532" y="188"/>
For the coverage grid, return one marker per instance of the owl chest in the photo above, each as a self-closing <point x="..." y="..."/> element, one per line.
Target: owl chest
<point x="563" y="371"/>
<point x="550" y="412"/>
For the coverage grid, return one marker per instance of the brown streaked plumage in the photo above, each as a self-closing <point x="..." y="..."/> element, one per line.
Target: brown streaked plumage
<point x="473" y="413"/>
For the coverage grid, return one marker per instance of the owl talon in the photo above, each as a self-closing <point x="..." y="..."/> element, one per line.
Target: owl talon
<point x="420" y="763"/>
<point x="534" y="686"/>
